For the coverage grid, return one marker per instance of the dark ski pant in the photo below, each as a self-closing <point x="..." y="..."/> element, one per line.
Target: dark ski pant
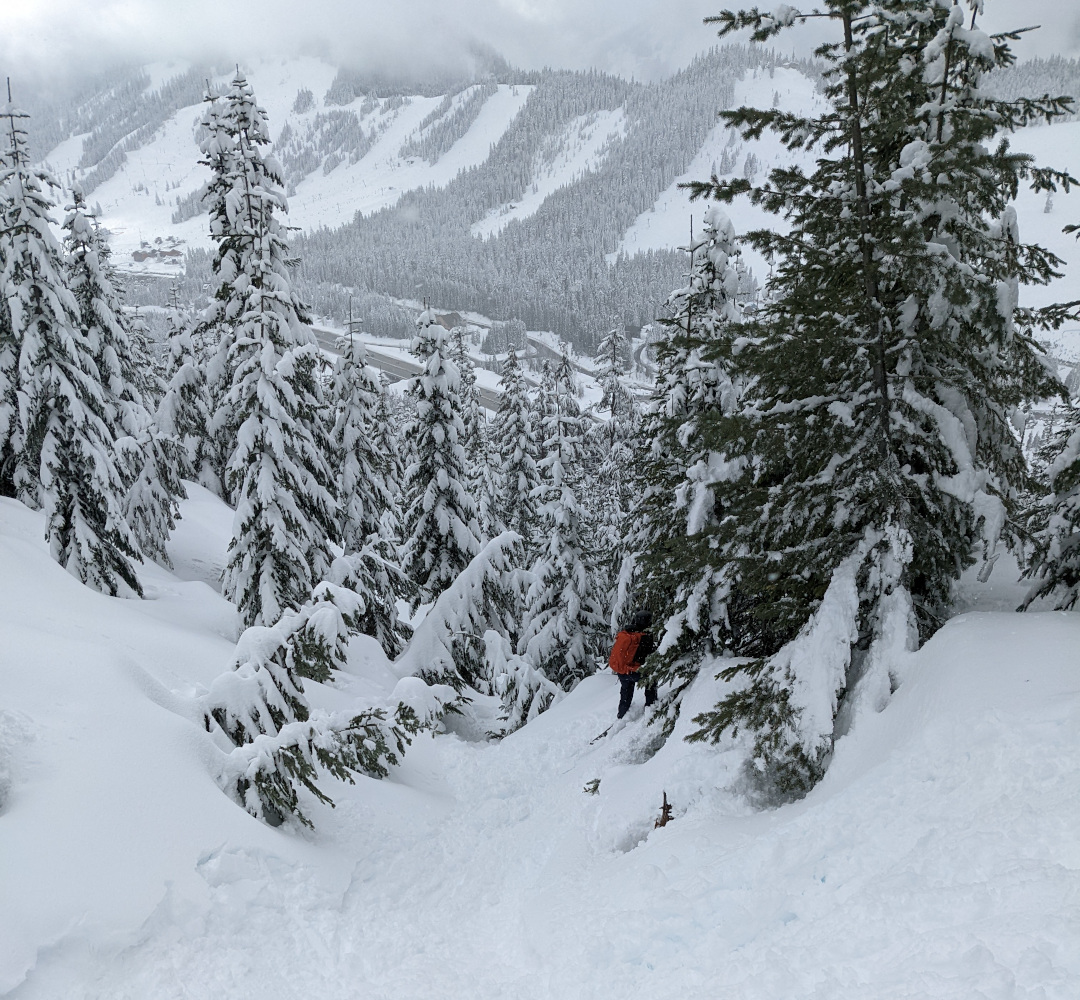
<point x="627" y="683"/>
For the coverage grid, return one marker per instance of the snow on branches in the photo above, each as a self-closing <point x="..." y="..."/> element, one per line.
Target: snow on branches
<point x="276" y="743"/>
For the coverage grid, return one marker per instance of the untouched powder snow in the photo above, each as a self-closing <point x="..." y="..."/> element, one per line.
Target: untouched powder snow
<point x="939" y="857"/>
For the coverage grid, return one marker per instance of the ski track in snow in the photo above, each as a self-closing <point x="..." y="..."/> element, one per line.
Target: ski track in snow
<point x="938" y="858"/>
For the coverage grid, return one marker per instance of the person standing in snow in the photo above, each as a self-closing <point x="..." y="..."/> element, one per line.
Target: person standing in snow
<point x="632" y="645"/>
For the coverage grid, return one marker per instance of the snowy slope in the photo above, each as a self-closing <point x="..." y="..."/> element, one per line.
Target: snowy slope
<point x="138" y="201"/>
<point x="380" y="178"/>
<point x="1055" y="146"/>
<point x="937" y="859"/>
<point x="580" y="149"/>
<point x="667" y="224"/>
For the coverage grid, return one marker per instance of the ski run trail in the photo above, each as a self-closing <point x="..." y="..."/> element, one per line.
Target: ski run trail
<point x="939" y="857"/>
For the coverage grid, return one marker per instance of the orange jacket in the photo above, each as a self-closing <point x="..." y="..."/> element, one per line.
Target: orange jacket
<point x="627" y="653"/>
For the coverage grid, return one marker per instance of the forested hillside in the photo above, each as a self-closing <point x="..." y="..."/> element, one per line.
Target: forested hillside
<point x="504" y="192"/>
<point x="593" y="152"/>
<point x="548" y="269"/>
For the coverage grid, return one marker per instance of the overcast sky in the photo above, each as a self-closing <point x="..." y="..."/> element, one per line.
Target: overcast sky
<point x="644" y="38"/>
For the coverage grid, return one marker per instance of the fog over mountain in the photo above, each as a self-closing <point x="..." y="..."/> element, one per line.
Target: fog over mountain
<point x="45" y="43"/>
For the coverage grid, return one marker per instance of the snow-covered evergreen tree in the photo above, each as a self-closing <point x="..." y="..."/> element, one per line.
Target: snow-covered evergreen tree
<point x="184" y="411"/>
<point x="149" y="460"/>
<point x="389" y="421"/>
<point x="477" y="438"/>
<point x="488" y="485"/>
<point x="564" y="625"/>
<point x="152" y="503"/>
<point x="1053" y="560"/>
<point x="278" y="470"/>
<point x="60" y="444"/>
<point x="220" y="146"/>
<point x="514" y="441"/>
<point x="442" y="533"/>
<point x="885" y="368"/>
<point x="1054" y="563"/>
<point x="671" y="563"/>
<point x="615" y="480"/>
<point x="465" y="641"/>
<point x="471" y="413"/>
<point x="275" y="742"/>
<point x="366" y="500"/>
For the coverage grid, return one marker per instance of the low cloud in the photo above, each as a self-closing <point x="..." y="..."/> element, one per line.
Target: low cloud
<point x="48" y="43"/>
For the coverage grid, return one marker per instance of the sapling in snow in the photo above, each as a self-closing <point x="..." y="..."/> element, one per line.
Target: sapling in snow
<point x="466" y="640"/>
<point x="276" y="744"/>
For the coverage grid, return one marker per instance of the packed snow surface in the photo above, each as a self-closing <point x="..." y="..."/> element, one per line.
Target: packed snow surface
<point x="939" y="857"/>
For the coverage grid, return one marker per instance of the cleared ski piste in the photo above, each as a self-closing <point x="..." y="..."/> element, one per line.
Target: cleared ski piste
<point x="940" y="856"/>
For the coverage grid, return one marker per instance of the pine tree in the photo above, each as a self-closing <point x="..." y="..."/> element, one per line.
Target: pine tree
<point x="1054" y="561"/>
<point x="670" y="541"/>
<point x="184" y="411"/>
<point x="366" y="501"/>
<point x="514" y="437"/>
<point x="216" y="327"/>
<point x="481" y="482"/>
<point x="152" y="504"/>
<point x="564" y="622"/>
<point x="276" y="742"/>
<point x="885" y="367"/>
<point x="390" y="417"/>
<point x="442" y="533"/>
<point x="613" y="440"/>
<point x="148" y="459"/>
<point x="60" y="444"/>
<point x="278" y="471"/>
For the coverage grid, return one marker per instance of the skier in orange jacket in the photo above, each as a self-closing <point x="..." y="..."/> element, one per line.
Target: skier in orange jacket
<point x="632" y="645"/>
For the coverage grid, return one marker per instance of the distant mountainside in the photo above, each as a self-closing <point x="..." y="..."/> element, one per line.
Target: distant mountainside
<point x="547" y="197"/>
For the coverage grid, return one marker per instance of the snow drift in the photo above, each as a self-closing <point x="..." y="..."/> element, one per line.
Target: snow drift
<point x="937" y="858"/>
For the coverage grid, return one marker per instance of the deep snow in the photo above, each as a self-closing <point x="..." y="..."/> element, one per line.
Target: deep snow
<point x="938" y="858"/>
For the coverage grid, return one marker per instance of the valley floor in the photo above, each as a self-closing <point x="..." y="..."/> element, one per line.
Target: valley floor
<point x="939" y="858"/>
